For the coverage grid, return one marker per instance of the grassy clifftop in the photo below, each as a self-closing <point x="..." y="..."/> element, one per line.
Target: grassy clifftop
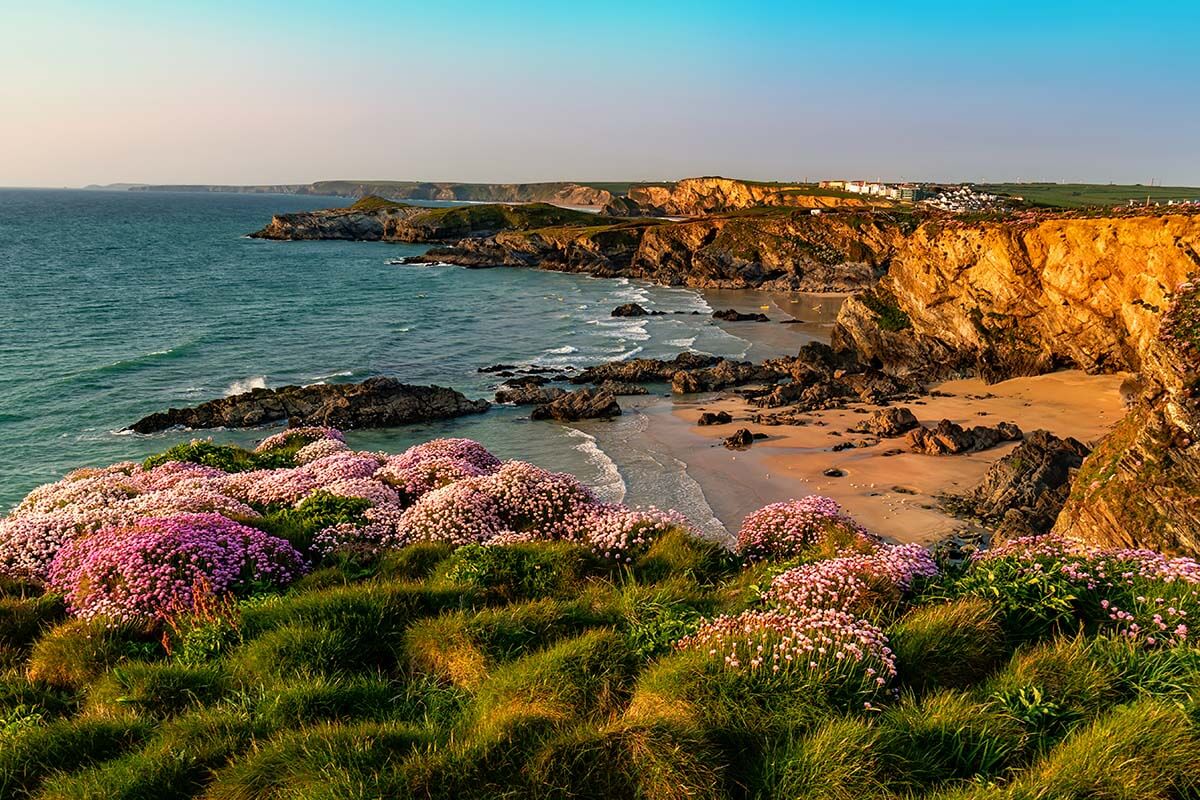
<point x="470" y="629"/>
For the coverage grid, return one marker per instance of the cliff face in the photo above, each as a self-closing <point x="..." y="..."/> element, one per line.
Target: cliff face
<point x="1140" y="487"/>
<point x="376" y="219"/>
<point x="1005" y="299"/>
<point x="697" y="196"/>
<point x="776" y="249"/>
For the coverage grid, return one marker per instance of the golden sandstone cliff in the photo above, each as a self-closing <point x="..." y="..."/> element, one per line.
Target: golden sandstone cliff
<point x="1002" y="299"/>
<point x="698" y="196"/>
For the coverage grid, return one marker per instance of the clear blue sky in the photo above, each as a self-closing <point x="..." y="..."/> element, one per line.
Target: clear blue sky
<point x="263" y="92"/>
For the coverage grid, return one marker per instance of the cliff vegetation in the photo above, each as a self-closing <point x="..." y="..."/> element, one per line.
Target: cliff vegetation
<point x="307" y="621"/>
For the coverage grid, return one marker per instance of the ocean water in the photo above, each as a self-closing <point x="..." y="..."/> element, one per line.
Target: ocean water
<point x="114" y="305"/>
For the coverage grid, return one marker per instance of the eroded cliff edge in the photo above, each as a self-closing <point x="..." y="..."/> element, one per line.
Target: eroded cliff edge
<point x="1004" y="299"/>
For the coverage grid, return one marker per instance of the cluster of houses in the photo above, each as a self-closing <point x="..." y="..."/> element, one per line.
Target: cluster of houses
<point x="965" y="199"/>
<point x="947" y="198"/>
<point x="910" y="192"/>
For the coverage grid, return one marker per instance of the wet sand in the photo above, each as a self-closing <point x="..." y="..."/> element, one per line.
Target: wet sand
<point x="796" y="318"/>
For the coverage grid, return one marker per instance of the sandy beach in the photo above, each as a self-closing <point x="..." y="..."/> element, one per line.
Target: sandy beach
<point x="893" y="494"/>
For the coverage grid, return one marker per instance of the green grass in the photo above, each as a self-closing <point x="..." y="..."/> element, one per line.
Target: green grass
<point x="535" y="671"/>
<point x="1078" y="195"/>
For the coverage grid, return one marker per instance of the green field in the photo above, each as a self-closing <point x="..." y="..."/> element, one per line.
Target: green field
<point x="1078" y="195"/>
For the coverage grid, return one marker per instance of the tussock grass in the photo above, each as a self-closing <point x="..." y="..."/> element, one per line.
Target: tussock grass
<point x="1054" y="686"/>
<point x="175" y="764"/>
<point x="76" y="652"/>
<point x="580" y="678"/>
<point x="31" y="755"/>
<point x="521" y="571"/>
<point x="947" y="736"/>
<point x="677" y="554"/>
<point x="626" y="760"/>
<point x="320" y="761"/>
<point x="839" y="760"/>
<point x="462" y="647"/>
<point x="1145" y="751"/>
<point x="951" y="645"/>
<point x="156" y="690"/>
<point x="532" y="671"/>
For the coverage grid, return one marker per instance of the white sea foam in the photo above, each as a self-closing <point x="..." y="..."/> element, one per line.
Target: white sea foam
<point x="566" y="348"/>
<point x="610" y="486"/>
<point x="239" y="387"/>
<point x="682" y="342"/>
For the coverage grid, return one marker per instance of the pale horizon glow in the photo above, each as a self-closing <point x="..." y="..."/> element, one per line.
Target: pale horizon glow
<point x="270" y="92"/>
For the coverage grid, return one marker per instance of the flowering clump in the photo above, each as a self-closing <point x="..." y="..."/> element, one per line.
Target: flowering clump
<point x="621" y="534"/>
<point x="269" y="487"/>
<point x="855" y="584"/>
<point x="554" y="504"/>
<point x="1139" y="594"/>
<point x="138" y="572"/>
<point x="292" y="436"/>
<point x="784" y="530"/>
<point x="315" y="451"/>
<point x="820" y="648"/>
<point x="373" y="491"/>
<point x="424" y="467"/>
<point x="466" y="512"/>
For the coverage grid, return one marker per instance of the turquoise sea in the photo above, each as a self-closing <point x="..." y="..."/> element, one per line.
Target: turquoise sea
<point x="116" y="304"/>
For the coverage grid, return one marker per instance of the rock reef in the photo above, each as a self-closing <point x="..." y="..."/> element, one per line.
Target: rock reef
<point x="375" y="403"/>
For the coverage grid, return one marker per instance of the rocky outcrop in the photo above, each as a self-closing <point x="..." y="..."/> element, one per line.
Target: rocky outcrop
<point x="1003" y="299"/>
<point x="633" y="310"/>
<point x="778" y="249"/>
<point x="644" y="370"/>
<point x="739" y="439"/>
<point x="692" y="197"/>
<point x="374" y="403"/>
<point x="714" y="418"/>
<point x="723" y="374"/>
<point x="580" y="404"/>
<point x="733" y="315"/>
<point x="528" y="394"/>
<point x="1140" y="487"/>
<point x="620" y="389"/>
<point x="1023" y="492"/>
<point x="888" y="422"/>
<point x="376" y="219"/>
<point x="949" y="438"/>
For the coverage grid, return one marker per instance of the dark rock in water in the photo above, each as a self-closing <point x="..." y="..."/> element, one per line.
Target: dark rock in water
<point x="580" y="404"/>
<point x="518" y="381"/>
<point x="740" y="440"/>
<point x="714" y="418"/>
<point x="498" y="368"/>
<point x="644" y="370"/>
<point x="723" y="374"/>
<point x="528" y="395"/>
<point x="949" y="438"/>
<point x="620" y="388"/>
<point x="733" y="315"/>
<point x="634" y="310"/>
<point x="374" y="403"/>
<point x="888" y="422"/>
<point x="1025" y="491"/>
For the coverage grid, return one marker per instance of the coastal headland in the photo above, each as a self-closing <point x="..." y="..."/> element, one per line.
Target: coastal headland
<point x="932" y="297"/>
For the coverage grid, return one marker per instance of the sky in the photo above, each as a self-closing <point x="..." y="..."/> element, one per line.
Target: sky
<point x="252" y="92"/>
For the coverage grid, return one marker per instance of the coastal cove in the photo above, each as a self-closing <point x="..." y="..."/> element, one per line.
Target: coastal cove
<point x="162" y="301"/>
